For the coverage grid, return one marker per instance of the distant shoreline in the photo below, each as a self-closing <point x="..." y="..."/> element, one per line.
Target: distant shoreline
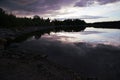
<point x="109" y="24"/>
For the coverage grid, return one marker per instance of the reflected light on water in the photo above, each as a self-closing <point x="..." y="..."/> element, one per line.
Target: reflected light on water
<point x="90" y="35"/>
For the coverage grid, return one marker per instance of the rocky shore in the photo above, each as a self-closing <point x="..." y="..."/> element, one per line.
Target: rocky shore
<point x="7" y="35"/>
<point x="23" y="65"/>
<point x="17" y="64"/>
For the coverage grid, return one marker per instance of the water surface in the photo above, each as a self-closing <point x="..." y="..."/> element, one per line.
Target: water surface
<point x="92" y="53"/>
<point x="90" y="35"/>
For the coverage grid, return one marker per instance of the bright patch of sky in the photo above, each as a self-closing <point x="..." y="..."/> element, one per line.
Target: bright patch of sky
<point x="108" y="12"/>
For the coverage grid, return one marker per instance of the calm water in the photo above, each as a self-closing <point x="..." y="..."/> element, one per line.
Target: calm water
<point x="90" y="35"/>
<point x="92" y="53"/>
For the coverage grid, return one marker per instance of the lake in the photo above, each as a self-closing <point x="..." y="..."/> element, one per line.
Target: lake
<point x="90" y="35"/>
<point x="94" y="52"/>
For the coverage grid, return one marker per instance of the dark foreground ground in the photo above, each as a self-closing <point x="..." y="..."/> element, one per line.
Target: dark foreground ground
<point x="21" y="65"/>
<point x="17" y="64"/>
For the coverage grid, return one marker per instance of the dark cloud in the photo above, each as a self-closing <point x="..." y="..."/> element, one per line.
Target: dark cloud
<point x="33" y="6"/>
<point x="84" y="3"/>
<point x="107" y="1"/>
<point x="42" y="7"/>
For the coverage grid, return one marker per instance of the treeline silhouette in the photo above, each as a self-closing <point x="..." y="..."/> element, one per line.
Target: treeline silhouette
<point x="11" y="21"/>
<point x="110" y="24"/>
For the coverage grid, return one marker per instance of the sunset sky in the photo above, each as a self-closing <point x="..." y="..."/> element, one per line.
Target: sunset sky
<point x="88" y="10"/>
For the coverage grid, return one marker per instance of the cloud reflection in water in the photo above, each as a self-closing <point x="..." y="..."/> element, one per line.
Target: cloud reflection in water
<point x="90" y="35"/>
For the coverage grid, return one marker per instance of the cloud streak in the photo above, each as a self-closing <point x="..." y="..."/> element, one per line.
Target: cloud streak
<point x="91" y="17"/>
<point x="85" y="3"/>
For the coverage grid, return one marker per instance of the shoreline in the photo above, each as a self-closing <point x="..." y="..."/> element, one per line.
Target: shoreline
<point x="18" y="64"/>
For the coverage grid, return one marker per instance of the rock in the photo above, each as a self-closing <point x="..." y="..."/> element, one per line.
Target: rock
<point x="2" y="43"/>
<point x="40" y="56"/>
<point x="44" y="56"/>
<point x="14" y="45"/>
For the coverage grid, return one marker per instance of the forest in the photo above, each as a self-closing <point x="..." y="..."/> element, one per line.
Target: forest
<point x="108" y="24"/>
<point x="10" y="21"/>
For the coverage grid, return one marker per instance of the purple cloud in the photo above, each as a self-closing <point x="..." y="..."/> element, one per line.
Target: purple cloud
<point x="33" y="6"/>
<point x="107" y="1"/>
<point x="84" y="3"/>
<point x="42" y="7"/>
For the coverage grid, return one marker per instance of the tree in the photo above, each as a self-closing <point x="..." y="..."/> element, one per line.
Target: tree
<point x="36" y="17"/>
<point x="2" y="12"/>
